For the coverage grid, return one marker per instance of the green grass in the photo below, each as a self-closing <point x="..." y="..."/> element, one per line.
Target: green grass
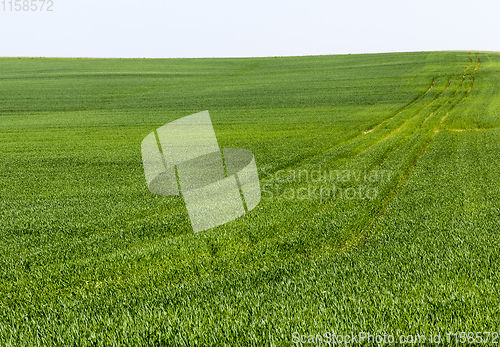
<point x="88" y="256"/>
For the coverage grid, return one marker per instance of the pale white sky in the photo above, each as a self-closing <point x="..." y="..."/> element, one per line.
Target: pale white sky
<point x="219" y="28"/>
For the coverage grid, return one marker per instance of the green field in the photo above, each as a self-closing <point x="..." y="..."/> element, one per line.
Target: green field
<point x="88" y="256"/>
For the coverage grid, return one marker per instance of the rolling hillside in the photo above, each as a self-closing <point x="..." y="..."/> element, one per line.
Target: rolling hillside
<point x="380" y="203"/>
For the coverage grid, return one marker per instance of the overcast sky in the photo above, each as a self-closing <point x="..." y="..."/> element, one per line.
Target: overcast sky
<point x="216" y="28"/>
